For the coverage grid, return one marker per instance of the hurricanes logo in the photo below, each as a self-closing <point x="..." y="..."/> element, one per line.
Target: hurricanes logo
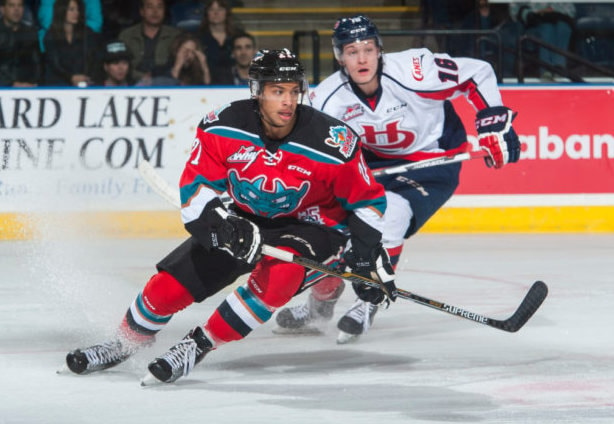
<point x="281" y="200"/>
<point x="416" y="69"/>
<point x="341" y="138"/>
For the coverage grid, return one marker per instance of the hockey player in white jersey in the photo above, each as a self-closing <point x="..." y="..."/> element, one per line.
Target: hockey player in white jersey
<point x="399" y="104"/>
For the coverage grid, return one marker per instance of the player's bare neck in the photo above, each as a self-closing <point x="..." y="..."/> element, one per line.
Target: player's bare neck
<point x="274" y="132"/>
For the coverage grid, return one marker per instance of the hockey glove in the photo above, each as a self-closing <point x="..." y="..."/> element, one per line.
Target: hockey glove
<point x="376" y="266"/>
<point x="496" y="136"/>
<point x="235" y="235"/>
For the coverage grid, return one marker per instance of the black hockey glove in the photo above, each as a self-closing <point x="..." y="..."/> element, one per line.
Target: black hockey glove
<point x="496" y="136"/>
<point x="376" y="266"/>
<point x="235" y="235"/>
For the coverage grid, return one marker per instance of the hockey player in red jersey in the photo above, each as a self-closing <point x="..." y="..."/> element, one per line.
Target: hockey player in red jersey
<point x="298" y="181"/>
<point x="399" y="104"/>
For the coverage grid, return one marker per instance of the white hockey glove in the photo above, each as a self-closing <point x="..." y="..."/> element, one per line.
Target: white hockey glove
<point x="376" y="266"/>
<point x="496" y="135"/>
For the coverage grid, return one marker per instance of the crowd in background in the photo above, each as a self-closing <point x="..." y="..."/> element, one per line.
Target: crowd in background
<point x="118" y="43"/>
<point x="147" y="43"/>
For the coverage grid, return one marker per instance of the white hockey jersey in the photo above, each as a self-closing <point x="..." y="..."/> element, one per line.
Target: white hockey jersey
<point x="408" y="118"/>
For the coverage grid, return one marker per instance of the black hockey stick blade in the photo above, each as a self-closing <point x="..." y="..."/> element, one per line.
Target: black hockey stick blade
<point x="530" y="304"/>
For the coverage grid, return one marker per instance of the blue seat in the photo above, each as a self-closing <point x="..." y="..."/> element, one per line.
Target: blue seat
<point x="594" y="33"/>
<point x="186" y="15"/>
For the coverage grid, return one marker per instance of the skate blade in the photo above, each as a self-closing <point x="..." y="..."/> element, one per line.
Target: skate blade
<point x="149" y="380"/>
<point x="63" y="370"/>
<point x="346" y="338"/>
<point x="302" y="331"/>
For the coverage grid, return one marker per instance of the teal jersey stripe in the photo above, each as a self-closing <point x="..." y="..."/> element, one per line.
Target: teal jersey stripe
<point x="255" y="304"/>
<point x="379" y="204"/>
<point x="158" y="319"/>
<point x="310" y="153"/>
<point x="186" y="192"/>
<point x="291" y="147"/>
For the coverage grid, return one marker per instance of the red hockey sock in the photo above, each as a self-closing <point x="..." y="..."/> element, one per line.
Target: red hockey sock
<point x="395" y="254"/>
<point x="271" y="285"/>
<point x="327" y="288"/>
<point x="153" y="308"/>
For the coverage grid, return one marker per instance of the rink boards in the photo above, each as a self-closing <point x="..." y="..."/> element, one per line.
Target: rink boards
<point x="71" y="154"/>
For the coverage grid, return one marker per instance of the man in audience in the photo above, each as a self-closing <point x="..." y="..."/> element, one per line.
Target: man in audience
<point x="20" y="61"/>
<point x="149" y="42"/>
<point x="116" y="65"/>
<point x="243" y="51"/>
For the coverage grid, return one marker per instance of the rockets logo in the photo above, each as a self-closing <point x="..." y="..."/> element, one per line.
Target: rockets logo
<point x="342" y="138"/>
<point x="281" y="200"/>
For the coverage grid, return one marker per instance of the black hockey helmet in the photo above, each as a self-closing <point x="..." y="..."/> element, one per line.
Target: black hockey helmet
<point x="275" y="66"/>
<point x="352" y="30"/>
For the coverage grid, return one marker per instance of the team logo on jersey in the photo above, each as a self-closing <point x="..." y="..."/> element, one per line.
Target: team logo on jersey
<point x="390" y="140"/>
<point x="352" y="112"/>
<point x="341" y="137"/>
<point x="214" y="114"/>
<point x="416" y="69"/>
<point x="245" y="154"/>
<point x="280" y="200"/>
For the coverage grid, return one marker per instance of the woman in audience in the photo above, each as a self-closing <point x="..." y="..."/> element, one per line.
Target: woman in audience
<point x="72" y="47"/>
<point x="216" y="33"/>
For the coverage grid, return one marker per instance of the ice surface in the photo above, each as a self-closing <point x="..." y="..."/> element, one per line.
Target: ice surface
<point x="417" y="365"/>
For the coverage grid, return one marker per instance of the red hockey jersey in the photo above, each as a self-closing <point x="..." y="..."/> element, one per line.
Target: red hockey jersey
<point x="315" y="174"/>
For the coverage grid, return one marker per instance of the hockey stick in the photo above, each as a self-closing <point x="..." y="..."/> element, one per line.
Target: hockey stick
<point x="427" y="163"/>
<point x="529" y="305"/>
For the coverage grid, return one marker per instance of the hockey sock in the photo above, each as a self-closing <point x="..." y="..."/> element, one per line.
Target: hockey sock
<point x="395" y="254"/>
<point x="271" y="285"/>
<point x="327" y="289"/>
<point x="153" y="308"/>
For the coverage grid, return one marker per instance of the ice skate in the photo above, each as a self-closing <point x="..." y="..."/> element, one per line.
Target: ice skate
<point x="98" y="357"/>
<point x="356" y="321"/>
<point x="308" y="317"/>
<point x="180" y="359"/>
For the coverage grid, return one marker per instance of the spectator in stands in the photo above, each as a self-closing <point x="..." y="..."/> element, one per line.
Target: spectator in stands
<point x="187" y="64"/>
<point x="93" y="17"/>
<point x="551" y="22"/>
<point x="20" y="61"/>
<point x="116" y="65"/>
<point x="149" y="41"/>
<point x="243" y="51"/>
<point x="118" y="15"/>
<point x="495" y="17"/>
<point x="72" y="47"/>
<point x="216" y="32"/>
